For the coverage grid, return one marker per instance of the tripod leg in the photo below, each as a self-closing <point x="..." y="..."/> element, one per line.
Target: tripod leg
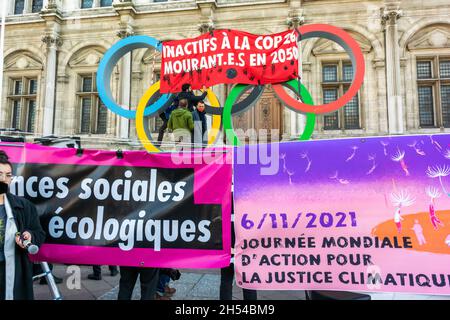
<point x="51" y="281"/>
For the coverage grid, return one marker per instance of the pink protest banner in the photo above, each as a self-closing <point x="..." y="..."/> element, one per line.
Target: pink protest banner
<point x="138" y="209"/>
<point x="368" y="214"/>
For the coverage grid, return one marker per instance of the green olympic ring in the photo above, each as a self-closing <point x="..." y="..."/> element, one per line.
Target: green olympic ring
<point x="239" y="89"/>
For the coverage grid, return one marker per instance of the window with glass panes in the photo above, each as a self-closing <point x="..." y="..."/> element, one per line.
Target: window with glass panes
<point x="105" y="3"/>
<point x="22" y="100"/>
<point x="86" y="4"/>
<point x="19" y="6"/>
<point x="36" y="5"/>
<point x="433" y="91"/>
<point x="93" y="113"/>
<point x="336" y="79"/>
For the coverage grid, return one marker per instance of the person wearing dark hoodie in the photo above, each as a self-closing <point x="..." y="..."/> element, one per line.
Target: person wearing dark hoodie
<point x="181" y="124"/>
<point x="200" y="137"/>
<point x="19" y="221"/>
<point x="187" y="93"/>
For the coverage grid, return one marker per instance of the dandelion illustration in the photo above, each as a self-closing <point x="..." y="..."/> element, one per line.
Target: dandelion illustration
<point x="374" y="165"/>
<point x="399" y="157"/>
<point x="283" y="157"/>
<point x="435" y="143"/>
<point x="353" y="154"/>
<point x="433" y="193"/>
<point x="402" y="199"/>
<point x="439" y="172"/>
<point x="290" y="174"/>
<point x="447" y="154"/>
<point x="304" y="155"/>
<point x="336" y="177"/>
<point x="399" y="200"/>
<point x="384" y="144"/>
<point x="416" y="148"/>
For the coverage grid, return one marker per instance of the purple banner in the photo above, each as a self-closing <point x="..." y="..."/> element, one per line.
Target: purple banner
<point x="369" y="214"/>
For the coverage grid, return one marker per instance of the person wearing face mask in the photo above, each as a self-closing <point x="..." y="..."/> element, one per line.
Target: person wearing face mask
<point x="19" y="221"/>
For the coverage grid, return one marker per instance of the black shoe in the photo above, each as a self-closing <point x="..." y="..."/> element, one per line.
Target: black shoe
<point x="57" y="280"/>
<point x="95" y="276"/>
<point x="114" y="272"/>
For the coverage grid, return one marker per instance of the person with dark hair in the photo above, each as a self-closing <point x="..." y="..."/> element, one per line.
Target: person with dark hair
<point x="187" y="93"/>
<point x="181" y="124"/>
<point x="165" y="116"/>
<point x="199" y="138"/>
<point x="19" y="221"/>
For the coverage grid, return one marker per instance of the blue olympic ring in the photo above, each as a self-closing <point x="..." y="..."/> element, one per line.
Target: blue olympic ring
<point x="105" y="69"/>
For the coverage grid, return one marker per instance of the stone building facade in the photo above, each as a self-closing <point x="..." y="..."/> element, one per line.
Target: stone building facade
<point x="52" y="49"/>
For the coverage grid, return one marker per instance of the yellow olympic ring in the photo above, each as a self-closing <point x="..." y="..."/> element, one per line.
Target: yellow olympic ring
<point x="140" y="129"/>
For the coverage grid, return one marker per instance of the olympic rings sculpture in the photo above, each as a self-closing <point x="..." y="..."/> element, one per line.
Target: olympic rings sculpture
<point x="153" y="102"/>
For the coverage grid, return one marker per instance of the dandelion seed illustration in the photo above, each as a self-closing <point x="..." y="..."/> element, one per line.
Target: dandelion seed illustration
<point x="399" y="157"/>
<point x="416" y="148"/>
<point x="304" y="155"/>
<point x="283" y="157"/>
<point x="433" y="193"/>
<point x="353" y="154"/>
<point x="439" y="172"/>
<point x="333" y="177"/>
<point x="399" y="200"/>
<point x="384" y="144"/>
<point x="290" y="174"/>
<point x="435" y="143"/>
<point x="336" y="177"/>
<point x="371" y="157"/>
<point x="372" y="169"/>
<point x="447" y="154"/>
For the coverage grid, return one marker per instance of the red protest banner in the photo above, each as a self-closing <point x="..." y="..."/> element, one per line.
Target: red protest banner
<point x="229" y="56"/>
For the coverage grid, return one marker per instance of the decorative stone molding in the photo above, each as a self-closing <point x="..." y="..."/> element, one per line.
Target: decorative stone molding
<point x="390" y="17"/>
<point x="295" y="21"/>
<point x="378" y="63"/>
<point x="52" y="40"/>
<point x="207" y="9"/>
<point x="205" y="27"/>
<point x="125" y="30"/>
<point x="433" y="37"/>
<point x="124" y="7"/>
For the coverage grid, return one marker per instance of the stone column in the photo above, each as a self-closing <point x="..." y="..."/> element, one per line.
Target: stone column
<point x="390" y="16"/>
<point x="27" y="6"/>
<point x="294" y="20"/>
<point x="53" y="42"/>
<point x="126" y="11"/>
<point x="125" y="89"/>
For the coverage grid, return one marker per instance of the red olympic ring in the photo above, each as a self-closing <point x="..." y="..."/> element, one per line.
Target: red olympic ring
<point x="353" y="50"/>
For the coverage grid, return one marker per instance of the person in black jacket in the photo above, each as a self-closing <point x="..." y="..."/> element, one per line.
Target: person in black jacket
<point x="187" y="93"/>
<point x="18" y="216"/>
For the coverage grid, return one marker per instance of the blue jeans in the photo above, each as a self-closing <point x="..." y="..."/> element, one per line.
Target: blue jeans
<point x="164" y="279"/>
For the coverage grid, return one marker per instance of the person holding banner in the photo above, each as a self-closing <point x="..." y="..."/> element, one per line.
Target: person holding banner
<point x="19" y="226"/>
<point x="188" y="94"/>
